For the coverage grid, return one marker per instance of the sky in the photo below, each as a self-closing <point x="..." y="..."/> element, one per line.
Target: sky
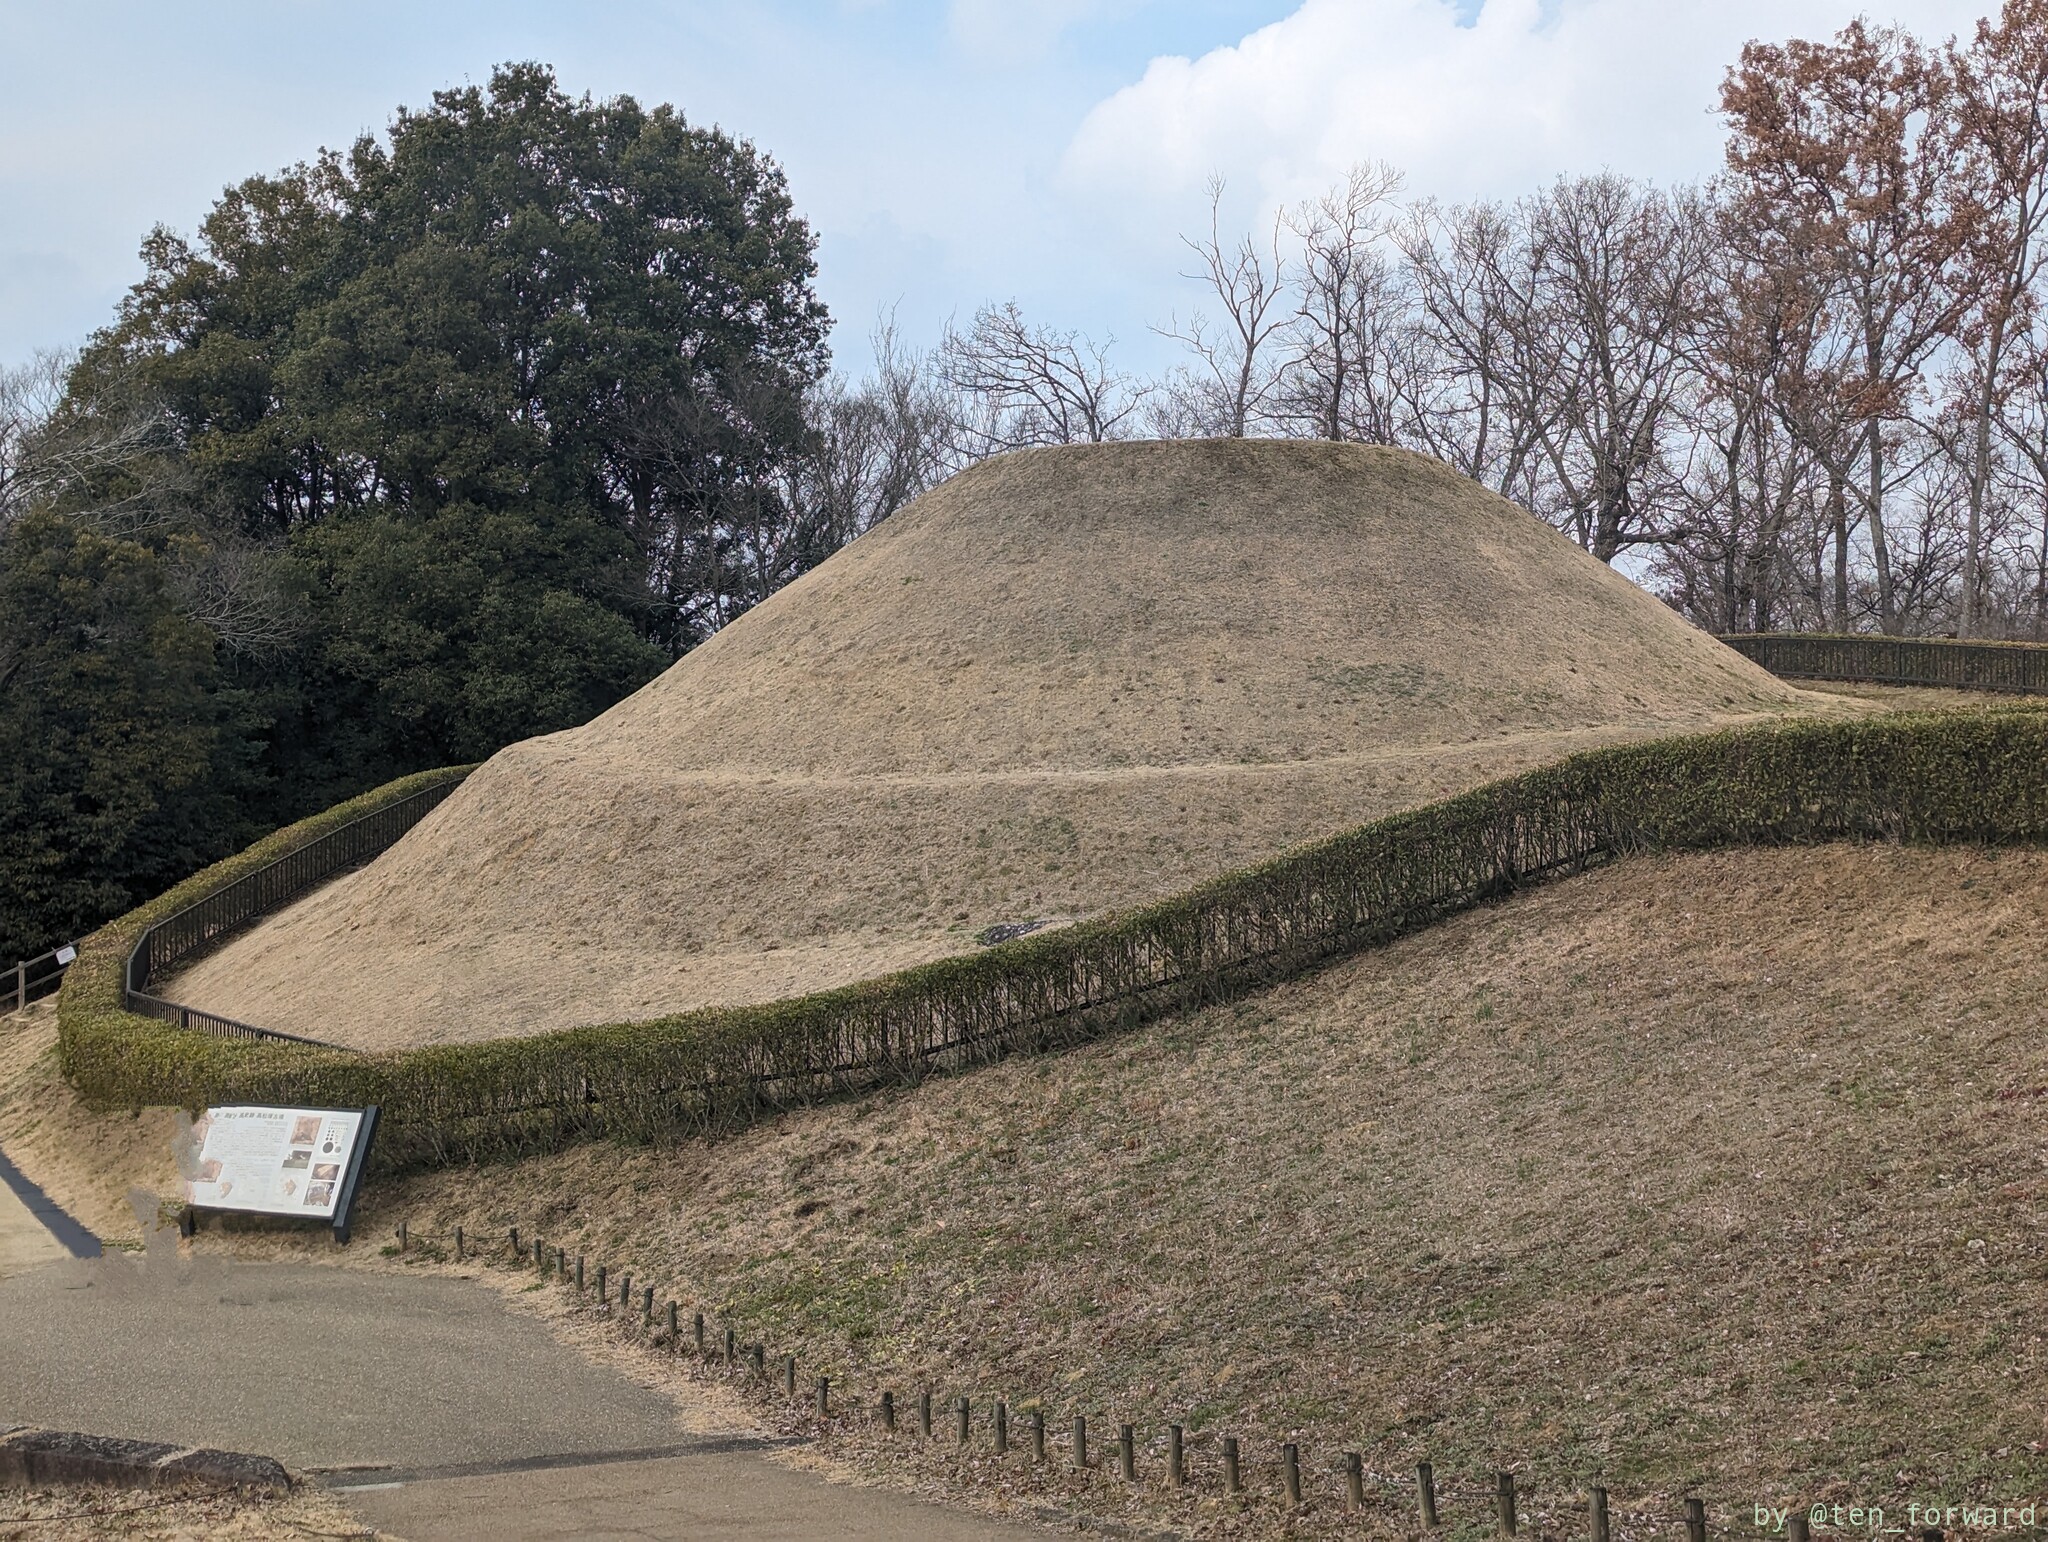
<point x="946" y="152"/>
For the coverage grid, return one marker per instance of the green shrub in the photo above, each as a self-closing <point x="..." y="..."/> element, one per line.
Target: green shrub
<point x="1976" y="777"/>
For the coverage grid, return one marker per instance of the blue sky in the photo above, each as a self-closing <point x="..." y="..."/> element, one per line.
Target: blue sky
<point x="946" y="151"/>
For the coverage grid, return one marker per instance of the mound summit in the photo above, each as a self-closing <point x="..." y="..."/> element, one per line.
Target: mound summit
<point x="1065" y="681"/>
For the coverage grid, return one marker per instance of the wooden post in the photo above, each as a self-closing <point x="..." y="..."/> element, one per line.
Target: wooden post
<point x="1176" y="1459"/>
<point x="1038" y="1435"/>
<point x="1127" y="1453"/>
<point x="924" y="1414"/>
<point x="1695" y="1520"/>
<point x="760" y="1362"/>
<point x="579" y="1273"/>
<point x="1504" y="1504"/>
<point x="1354" y="1481"/>
<point x="1598" y="1506"/>
<point x="960" y="1421"/>
<point x="401" y="1237"/>
<point x="732" y="1349"/>
<point x="625" y="1291"/>
<point x="673" y="1336"/>
<point x="561" y="1263"/>
<point x="540" y="1254"/>
<point x="1290" y="1472"/>
<point x="515" y="1241"/>
<point x="458" y="1244"/>
<point x="1002" y="1427"/>
<point x="604" y="1294"/>
<point x="1233" y="1476"/>
<point x="824" y="1397"/>
<point x="647" y="1306"/>
<point x="1080" y="1440"/>
<point x="1796" y="1528"/>
<point x="697" y="1323"/>
<point x="889" y="1411"/>
<point x="789" y="1377"/>
<point x="1425" y="1491"/>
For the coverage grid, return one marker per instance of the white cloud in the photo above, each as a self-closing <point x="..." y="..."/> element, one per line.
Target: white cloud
<point x="1522" y="92"/>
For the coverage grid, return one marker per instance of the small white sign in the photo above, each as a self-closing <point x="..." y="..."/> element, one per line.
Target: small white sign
<point x="277" y="1161"/>
<point x="66" y="954"/>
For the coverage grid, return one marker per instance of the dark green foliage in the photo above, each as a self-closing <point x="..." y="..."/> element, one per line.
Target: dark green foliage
<point x="117" y="751"/>
<point x="450" y="440"/>
<point x="444" y="637"/>
<point x="590" y="317"/>
<point x="1932" y="777"/>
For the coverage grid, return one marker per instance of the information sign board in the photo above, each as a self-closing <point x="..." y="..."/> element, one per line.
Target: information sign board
<point x="299" y="1162"/>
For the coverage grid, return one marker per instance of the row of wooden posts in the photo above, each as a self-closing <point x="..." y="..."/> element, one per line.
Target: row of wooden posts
<point x="571" y="1271"/>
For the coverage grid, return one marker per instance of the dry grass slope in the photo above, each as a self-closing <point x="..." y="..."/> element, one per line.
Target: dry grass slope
<point x="1720" y="1170"/>
<point x="1066" y="681"/>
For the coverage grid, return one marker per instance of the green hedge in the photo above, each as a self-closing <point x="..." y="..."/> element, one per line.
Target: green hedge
<point x="117" y="1058"/>
<point x="1968" y="666"/>
<point x="1978" y="777"/>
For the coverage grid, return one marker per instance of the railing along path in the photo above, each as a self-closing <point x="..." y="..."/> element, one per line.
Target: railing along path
<point x="212" y="920"/>
<point x="1967" y="666"/>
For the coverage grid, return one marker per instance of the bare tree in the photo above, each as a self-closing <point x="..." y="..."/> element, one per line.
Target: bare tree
<point x="1622" y="270"/>
<point x="102" y="446"/>
<point x="1230" y="388"/>
<point x="876" y="443"/>
<point x="1752" y="486"/>
<point x="1554" y="340"/>
<point x="1019" y="385"/>
<point x="30" y="395"/>
<point x="1343" y="293"/>
<point x="1476" y="286"/>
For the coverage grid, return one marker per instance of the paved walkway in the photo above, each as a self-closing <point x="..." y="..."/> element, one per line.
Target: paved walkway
<point x="706" y="1493"/>
<point x="455" y="1416"/>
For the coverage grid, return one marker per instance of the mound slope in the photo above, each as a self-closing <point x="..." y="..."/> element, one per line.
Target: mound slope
<point x="1715" y="1173"/>
<point x="1067" y="680"/>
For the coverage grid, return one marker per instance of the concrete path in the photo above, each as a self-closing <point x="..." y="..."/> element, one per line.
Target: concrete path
<point x="458" y="1417"/>
<point x="318" y="1367"/>
<point x="705" y="1493"/>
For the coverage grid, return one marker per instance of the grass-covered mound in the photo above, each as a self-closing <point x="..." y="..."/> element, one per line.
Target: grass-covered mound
<point x="1066" y="681"/>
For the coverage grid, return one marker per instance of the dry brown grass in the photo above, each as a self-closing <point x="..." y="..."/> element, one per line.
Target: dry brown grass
<point x="88" y="1513"/>
<point x="1066" y="681"/>
<point x="98" y="1166"/>
<point x="1720" y="1170"/>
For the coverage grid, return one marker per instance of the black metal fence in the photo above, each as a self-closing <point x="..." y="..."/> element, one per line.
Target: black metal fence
<point x="1967" y="666"/>
<point x="34" y="978"/>
<point x="227" y="910"/>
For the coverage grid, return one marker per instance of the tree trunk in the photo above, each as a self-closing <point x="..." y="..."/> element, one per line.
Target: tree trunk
<point x="1980" y="477"/>
<point x="1887" y="603"/>
<point x="2041" y="577"/>
<point x="1838" y="513"/>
